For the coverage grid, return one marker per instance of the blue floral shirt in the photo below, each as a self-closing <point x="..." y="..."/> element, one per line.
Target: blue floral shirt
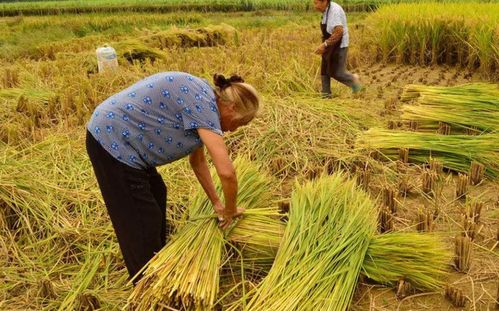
<point x="155" y="121"/>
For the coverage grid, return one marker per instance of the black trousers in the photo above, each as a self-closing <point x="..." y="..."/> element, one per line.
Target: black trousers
<point x="136" y="203"/>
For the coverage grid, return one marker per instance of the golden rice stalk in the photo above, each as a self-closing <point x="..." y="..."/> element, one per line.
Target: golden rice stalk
<point x="455" y="296"/>
<point x="462" y="186"/>
<point x="425" y="220"/>
<point x="10" y="78"/>
<point x="404" y="155"/>
<point x="257" y="236"/>
<point x="472" y="130"/>
<point x="429" y="180"/>
<point x="470" y="109"/>
<point x="389" y="199"/>
<point x="474" y="210"/>
<point x="134" y="50"/>
<point x="470" y="228"/>
<point x="177" y="37"/>
<point x="436" y="166"/>
<point x="364" y="178"/>
<point x="463" y="253"/>
<point x="455" y="151"/>
<point x="477" y="171"/>
<point x="404" y="184"/>
<point x="413" y="126"/>
<point x="385" y="220"/>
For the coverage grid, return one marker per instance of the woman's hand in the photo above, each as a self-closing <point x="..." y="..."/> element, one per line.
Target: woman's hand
<point x="228" y="217"/>
<point x="225" y="216"/>
<point x="321" y="49"/>
<point x="219" y="209"/>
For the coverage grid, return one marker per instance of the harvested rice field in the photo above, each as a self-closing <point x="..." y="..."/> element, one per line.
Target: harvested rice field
<point x="383" y="199"/>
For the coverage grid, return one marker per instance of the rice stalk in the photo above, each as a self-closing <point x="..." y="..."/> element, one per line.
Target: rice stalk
<point x="385" y="220"/>
<point x="462" y="186"/>
<point x="389" y="199"/>
<point x="404" y="155"/>
<point x="474" y="209"/>
<point x="267" y="140"/>
<point x="462" y="253"/>
<point x="424" y="220"/>
<point x="364" y="178"/>
<point x="470" y="228"/>
<point x="476" y="173"/>
<point x="456" y="296"/>
<point x="436" y="166"/>
<point x="428" y="182"/>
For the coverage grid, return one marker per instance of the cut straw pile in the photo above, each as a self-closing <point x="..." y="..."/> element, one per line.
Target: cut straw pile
<point x="54" y="205"/>
<point x="469" y="107"/>
<point x="323" y="135"/>
<point x="472" y="109"/>
<point x="185" y="273"/>
<point x="56" y="241"/>
<point x="329" y="240"/>
<point x="322" y="251"/>
<point x="211" y="35"/>
<point x="149" y="46"/>
<point x="455" y="151"/>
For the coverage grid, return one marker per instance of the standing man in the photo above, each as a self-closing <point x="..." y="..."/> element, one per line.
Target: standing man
<point x="334" y="47"/>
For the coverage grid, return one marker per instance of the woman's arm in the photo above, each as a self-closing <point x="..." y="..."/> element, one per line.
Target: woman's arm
<point x="200" y="168"/>
<point x="225" y="171"/>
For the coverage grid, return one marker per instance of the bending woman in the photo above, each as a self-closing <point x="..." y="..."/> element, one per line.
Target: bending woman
<point x="156" y="121"/>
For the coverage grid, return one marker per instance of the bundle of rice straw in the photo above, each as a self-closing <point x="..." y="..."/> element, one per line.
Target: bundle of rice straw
<point x="456" y="152"/>
<point x="413" y="91"/>
<point x="185" y="273"/>
<point x="319" y="260"/>
<point x="419" y="258"/>
<point x="468" y="107"/>
<point x="258" y="236"/>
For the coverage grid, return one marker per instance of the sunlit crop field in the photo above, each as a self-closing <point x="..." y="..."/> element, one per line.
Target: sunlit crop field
<point x="416" y="152"/>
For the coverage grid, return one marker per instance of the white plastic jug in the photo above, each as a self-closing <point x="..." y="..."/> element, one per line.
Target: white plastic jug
<point x="107" y="60"/>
